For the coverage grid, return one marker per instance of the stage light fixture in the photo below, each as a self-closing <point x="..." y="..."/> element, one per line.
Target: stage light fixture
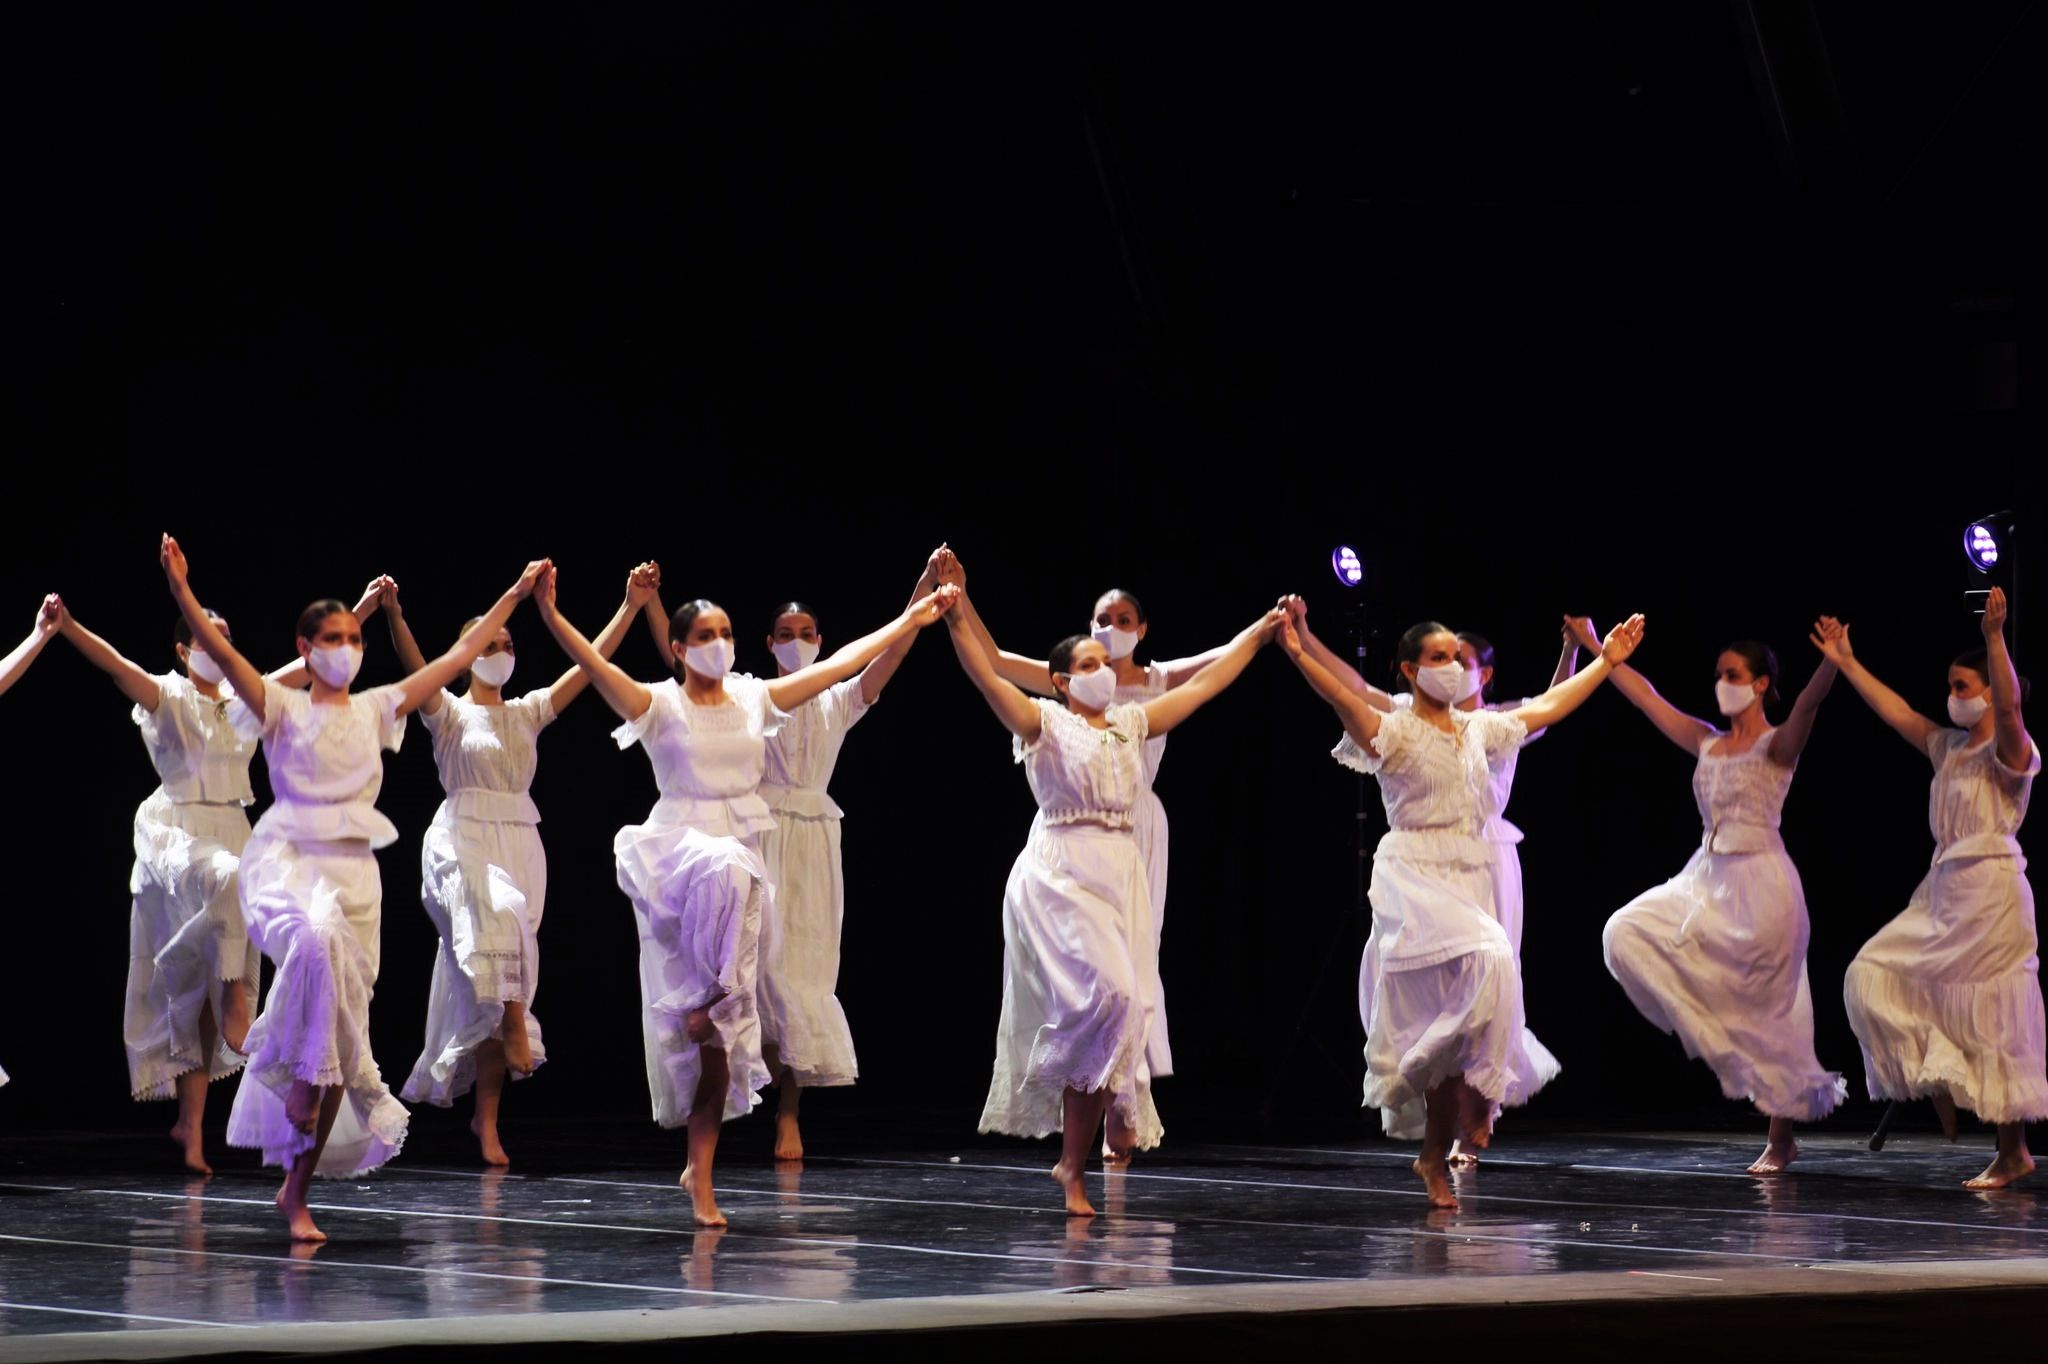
<point x="1348" y="567"/>
<point x="1985" y="538"/>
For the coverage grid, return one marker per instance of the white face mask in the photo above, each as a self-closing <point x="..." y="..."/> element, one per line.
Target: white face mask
<point x="796" y="654"/>
<point x="203" y="667"/>
<point x="713" y="660"/>
<point x="1094" y="690"/>
<point x="493" y="670"/>
<point x="335" y="664"/>
<point x="1968" y="713"/>
<point x="1734" y="697"/>
<point x="1468" y="686"/>
<point x="1120" y="643"/>
<point x="1443" y="682"/>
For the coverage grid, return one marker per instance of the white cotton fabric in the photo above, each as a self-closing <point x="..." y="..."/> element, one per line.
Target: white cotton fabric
<point x="1496" y="829"/>
<point x="483" y="883"/>
<point x="800" y="1012"/>
<point x="187" y="944"/>
<point x="1717" y="954"/>
<point x="313" y="900"/>
<point x="699" y="889"/>
<point x="1947" y="997"/>
<point x="1440" y="989"/>
<point x="1080" y="958"/>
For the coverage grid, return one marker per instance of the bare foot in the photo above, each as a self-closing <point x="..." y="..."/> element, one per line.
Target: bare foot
<point x="789" y="1142"/>
<point x="302" y="1105"/>
<point x="1461" y="1159"/>
<point x="1076" y="1190"/>
<point x="189" y="1140"/>
<point x="2005" y="1170"/>
<point x="1113" y="1159"/>
<point x="1436" y="1178"/>
<point x="1475" y="1118"/>
<point x="1945" y="1109"/>
<point x="518" y="1049"/>
<point x="300" y="1219"/>
<point x="234" y="1017"/>
<point x="487" y="1138"/>
<point x="697" y="1026"/>
<point x="703" y="1202"/>
<point x="1777" y="1155"/>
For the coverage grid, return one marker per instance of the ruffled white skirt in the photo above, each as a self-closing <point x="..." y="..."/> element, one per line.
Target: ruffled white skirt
<point x="186" y="942"/>
<point x="316" y="910"/>
<point x="699" y="900"/>
<point x="483" y="884"/>
<point x="1717" y="955"/>
<point x="1080" y="983"/>
<point x="1458" y="1017"/>
<point x="800" y="1010"/>
<point x="1947" y="997"/>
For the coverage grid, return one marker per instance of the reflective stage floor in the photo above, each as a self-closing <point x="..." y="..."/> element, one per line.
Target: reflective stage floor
<point x="102" y="1255"/>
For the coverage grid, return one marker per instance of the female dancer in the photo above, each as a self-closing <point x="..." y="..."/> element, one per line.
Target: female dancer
<point x="1119" y="624"/>
<point x="1446" y="1019"/>
<point x="1717" y="954"/>
<point x="1080" y="966"/>
<point x="48" y="617"/>
<point x="310" y="888"/>
<point x="693" y="871"/>
<point x="805" y="1040"/>
<point x="1946" y="999"/>
<point x="483" y="873"/>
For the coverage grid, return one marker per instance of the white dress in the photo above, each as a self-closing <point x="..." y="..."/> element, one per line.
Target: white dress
<point x="1497" y="831"/>
<point x="314" y="902"/>
<point x="1717" y="954"/>
<point x="699" y="889"/>
<point x="800" y="1013"/>
<point x="186" y="942"/>
<point x="1148" y="826"/>
<point x="1948" y="995"/>
<point x="1080" y="964"/>
<point x="1440" y="992"/>
<point x="484" y="882"/>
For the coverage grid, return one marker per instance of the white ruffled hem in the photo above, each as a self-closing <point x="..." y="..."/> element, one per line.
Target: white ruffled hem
<point x="1984" y="1043"/>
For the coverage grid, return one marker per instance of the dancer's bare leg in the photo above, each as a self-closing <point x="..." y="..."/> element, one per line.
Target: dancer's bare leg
<point x="190" y="1129"/>
<point x="490" y="1089"/>
<point x="2013" y="1163"/>
<point x="1440" y="1107"/>
<point x="1475" y="1117"/>
<point x="291" y="1199"/>
<point x="1080" y="1119"/>
<point x="1780" y="1149"/>
<point x="789" y="1139"/>
<point x="1945" y="1109"/>
<point x="707" y="1114"/>
<point x="1118" y="1140"/>
<point x="234" y="1016"/>
<point x="518" y="1048"/>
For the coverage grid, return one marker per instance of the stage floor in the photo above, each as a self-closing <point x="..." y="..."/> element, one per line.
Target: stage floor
<point x="102" y="1259"/>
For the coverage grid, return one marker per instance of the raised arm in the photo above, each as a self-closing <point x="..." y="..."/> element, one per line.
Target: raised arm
<point x="1162" y="713"/>
<point x="1031" y="675"/>
<point x="383" y="592"/>
<point x="1361" y="720"/>
<point x="135" y="684"/>
<point x="1831" y="637"/>
<point x="628" y="699"/>
<point x="640" y="589"/>
<point x="2015" y="745"/>
<point x="1673" y="723"/>
<point x="242" y="676"/>
<point x="1789" y="741"/>
<point x="876" y="675"/>
<point x="1567" y="657"/>
<point x="1331" y="661"/>
<point x="426" y="683"/>
<point x="1567" y="696"/>
<point x="1018" y="712"/>
<point x="48" y="617"/>
<point x="656" y="612"/>
<point x="800" y="686"/>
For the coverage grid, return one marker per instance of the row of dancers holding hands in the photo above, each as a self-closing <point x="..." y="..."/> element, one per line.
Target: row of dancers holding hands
<point x="735" y="883"/>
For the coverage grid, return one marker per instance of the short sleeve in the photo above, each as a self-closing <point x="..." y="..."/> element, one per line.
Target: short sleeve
<point x="277" y="699"/>
<point x="848" y="702"/>
<point x="1500" y="732"/>
<point x="1404" y="700"/>
<point x="1130" y="719"/>
<point x="1048" y="713"/>
<point x="660" y="698"/>
<point x="1938" y="740"/>
<point x="151" y="722"/>
<point x="384" y="703"/>
<point x="773" y="717"/>
<point x="1348" y="753"/>
<point x="538" y="706"/>
<point x="434" y="719"/>
<point x="1395" y="739"/>
<point x="2013" y="777"/>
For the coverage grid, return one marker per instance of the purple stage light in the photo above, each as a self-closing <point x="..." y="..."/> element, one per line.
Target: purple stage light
<point x="1346" y="564"/>
<point x="1980" y="546"/>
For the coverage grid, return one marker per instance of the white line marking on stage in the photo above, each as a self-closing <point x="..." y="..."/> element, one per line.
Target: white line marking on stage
<point x="319" y="1263"/>
<point x="125" y="1316"/>
<point x="1701" y="1278"/>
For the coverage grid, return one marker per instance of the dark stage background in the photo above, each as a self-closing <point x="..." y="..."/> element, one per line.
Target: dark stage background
<point x="1730" y="320"/>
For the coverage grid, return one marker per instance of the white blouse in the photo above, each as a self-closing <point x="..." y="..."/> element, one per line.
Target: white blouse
<point x="1437" y="786"/>
<point x="803" y="753"/>
<point x="1977" y="803"/>
<point x="1502" y="786"/>
<point x="486" y="754"/>
<point x="709" y="756"/>
<point x="1080" y="774"/>
<point x="199" y="757"/>
<point x="1153" y="687"/>
<point x="325" y="760"/>
<point x="1742" y="797"/>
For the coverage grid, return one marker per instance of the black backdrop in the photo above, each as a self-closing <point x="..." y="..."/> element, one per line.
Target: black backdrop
<point x="1541" y="314"/>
